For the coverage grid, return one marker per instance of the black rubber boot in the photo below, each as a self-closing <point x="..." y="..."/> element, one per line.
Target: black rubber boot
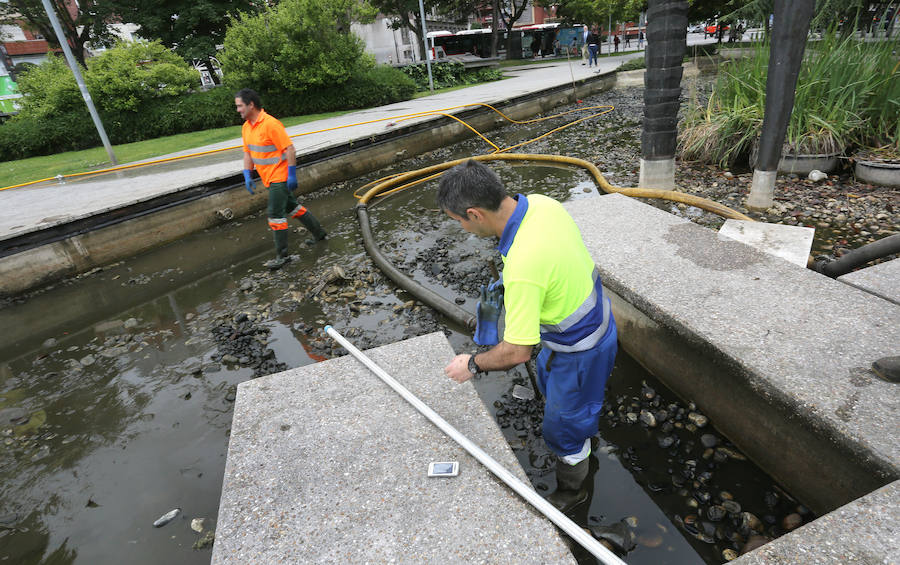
<point x="281" y="250"/>
<point x="570" y="489"/>
<point x="315" y="228"/>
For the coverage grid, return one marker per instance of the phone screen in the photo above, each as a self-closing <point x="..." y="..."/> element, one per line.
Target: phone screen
<point x="443" y="468"/>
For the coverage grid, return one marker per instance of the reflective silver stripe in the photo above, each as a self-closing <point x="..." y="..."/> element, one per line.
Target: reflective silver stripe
<point x="587" y="342"/>
<point x="579" y="312"/>
<point x="261" y="148"/>
<point x="267" y="160"/>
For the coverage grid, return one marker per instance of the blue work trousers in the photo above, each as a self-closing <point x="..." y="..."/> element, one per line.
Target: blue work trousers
<point x="592" y="54"/>
<point x="573" y="385"/>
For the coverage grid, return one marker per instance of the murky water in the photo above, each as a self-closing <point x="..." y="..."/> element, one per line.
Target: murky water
<point x="116" y="388"/>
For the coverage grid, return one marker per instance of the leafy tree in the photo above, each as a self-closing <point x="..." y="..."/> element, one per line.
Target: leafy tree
<point x="296" y="45"/>
<point x="133" y="72"/>
<point x="193" y="28"/>
<point x="90" y="24"/>
<point x="48" y="89"/>
<point x="120" y="78"/>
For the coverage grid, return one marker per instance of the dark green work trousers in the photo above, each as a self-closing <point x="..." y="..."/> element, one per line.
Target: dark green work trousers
<point x="283" y="205"/>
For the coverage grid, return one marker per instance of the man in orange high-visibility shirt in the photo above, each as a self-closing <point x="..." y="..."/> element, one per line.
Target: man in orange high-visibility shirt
<point x="268" y="148"/>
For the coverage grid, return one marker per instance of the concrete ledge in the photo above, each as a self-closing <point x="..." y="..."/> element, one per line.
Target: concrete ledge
<point x="862" y="532"/>
<point x="778" y="356"/>
<point x="882" y="280"/>
<point x="326" y="464"/>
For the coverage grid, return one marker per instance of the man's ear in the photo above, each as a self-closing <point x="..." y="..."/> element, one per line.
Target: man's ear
<point x="474" y="214"/>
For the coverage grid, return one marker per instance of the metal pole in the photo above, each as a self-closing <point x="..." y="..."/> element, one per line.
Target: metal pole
<point x="73" y="64"/>
<point x="425" y="39"/>
<point x="587" y="541"/>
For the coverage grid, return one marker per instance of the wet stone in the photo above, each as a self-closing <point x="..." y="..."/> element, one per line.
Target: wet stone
<point x="648" y="419"/>
<point x="716" y="513"/>
<point x="791" y="522"/>
<point x="709" y="440"/>
<point x="698" y="419"/>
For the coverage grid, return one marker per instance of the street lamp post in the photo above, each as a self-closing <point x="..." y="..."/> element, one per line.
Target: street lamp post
<point x="425" y="39"/>
<point x="73" y="64"/>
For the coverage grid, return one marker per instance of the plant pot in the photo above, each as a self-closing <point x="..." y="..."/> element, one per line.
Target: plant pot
<point x="803" y="164"/>
<point x="884" y="173"/>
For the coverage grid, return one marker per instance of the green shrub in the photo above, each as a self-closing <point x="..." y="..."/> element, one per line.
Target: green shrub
<point x="42" y="135"/>
<point x="135" y="72"/>
<point x="295" y="46"/>
<point x="449" y="73"/>
<point x="122" y="78"/>
<point x="375" y="87"/>
<point x="21" y="138"/>
<point x="48" y="89"/>
<point x="633" y="64"/>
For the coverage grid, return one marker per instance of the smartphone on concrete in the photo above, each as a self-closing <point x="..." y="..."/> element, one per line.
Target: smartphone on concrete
<point x="443" y="469"/>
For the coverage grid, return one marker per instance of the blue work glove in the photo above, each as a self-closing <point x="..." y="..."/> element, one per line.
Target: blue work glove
<point x="292" y="177"/>
<point x="248" y="180"/>
<point x="487" y="314"/>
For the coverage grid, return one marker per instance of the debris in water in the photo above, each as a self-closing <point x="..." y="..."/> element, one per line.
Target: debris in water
<point x="166" y="518"/>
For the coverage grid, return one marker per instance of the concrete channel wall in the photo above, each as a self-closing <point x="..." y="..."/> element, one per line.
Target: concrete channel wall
<point x="117" y="234"/>
<point x="777" y="356"/>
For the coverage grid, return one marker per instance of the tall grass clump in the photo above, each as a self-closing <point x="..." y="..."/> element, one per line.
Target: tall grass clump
<point x="847" y="94"/>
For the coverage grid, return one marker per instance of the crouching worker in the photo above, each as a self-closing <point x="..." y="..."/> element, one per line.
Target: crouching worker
<point x="552" y="295"/>
<point x="268" y="149"/>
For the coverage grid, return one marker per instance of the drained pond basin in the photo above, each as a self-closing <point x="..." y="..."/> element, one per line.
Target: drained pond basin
<point x="116" y="388"/>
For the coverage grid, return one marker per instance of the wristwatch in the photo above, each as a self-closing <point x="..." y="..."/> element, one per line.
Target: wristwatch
<point x="473" y="366"/>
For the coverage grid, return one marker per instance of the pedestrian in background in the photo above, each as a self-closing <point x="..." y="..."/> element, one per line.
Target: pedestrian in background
<point x="593" y="41"/>
<point x="640" y="40"/>
<point x="616" y="42"/>
<point x="268" y="149"/>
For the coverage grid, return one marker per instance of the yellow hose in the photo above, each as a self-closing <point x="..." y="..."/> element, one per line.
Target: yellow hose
<point x="390" y="183"/>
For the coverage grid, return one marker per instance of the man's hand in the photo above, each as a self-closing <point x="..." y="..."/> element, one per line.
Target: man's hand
<point x="248" y="180"/>
<point x="292" y="177"/>
<point x="458" y="369"/>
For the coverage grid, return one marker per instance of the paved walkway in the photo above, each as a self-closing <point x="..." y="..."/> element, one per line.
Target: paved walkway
<point x="38" y="207"/>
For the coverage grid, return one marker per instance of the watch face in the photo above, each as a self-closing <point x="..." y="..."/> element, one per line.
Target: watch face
<point x="472" y="366"/>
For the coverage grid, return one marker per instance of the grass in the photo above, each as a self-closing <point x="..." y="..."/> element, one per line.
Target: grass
<point x="34" y="168"/>
<point x="847" y="95"/>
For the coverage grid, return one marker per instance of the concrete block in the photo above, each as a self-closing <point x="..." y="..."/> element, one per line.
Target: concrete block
<point x="881" y="280"/>
<point x="778" y="357"/>
<point x="327" y="464"/>
<point x="791" y="243"/>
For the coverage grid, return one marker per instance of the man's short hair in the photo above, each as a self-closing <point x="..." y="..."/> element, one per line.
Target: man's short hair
<point x="468" y="185"/>
<point x="249" y="96"/>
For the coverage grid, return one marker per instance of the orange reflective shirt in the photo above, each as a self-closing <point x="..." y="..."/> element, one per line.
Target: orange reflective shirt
<point x="266" y="141"/>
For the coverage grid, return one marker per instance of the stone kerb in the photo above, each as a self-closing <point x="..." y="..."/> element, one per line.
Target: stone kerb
<point x="777" y="356"/>
<point x="327" y="464"/>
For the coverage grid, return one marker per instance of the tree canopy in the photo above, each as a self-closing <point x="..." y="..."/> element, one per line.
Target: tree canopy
<point x="193" y="28"/>
<point x="120" y="78"/>
<point x="89" y="25"/>
<point x="296" y="45"/>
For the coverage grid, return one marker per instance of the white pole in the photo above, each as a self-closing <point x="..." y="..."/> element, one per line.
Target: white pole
<point x="425" y="39"/>
<point x="73" y="64"/>
<point x="587" y="541"/>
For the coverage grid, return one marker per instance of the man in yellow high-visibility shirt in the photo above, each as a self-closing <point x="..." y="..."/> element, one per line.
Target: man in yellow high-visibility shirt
<point x="553" y="296"/>
<point x="268" y="148"/>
